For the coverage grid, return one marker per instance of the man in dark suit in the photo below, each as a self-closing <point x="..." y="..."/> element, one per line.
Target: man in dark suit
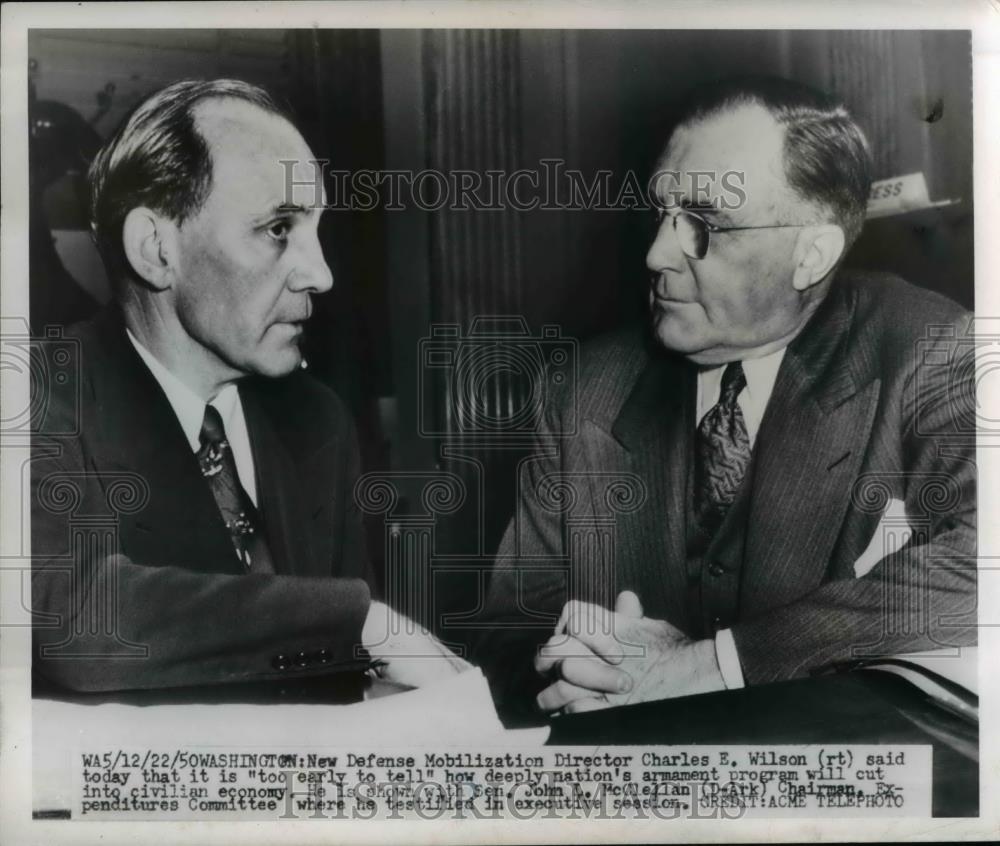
<point x="777" y="477"/>
<point x="193" y="518"/>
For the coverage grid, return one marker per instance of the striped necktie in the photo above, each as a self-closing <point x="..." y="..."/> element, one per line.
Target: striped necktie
<point x="215" y="458"/>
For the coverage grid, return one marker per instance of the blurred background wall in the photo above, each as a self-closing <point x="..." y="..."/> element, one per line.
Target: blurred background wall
<point x="487" y="100"/>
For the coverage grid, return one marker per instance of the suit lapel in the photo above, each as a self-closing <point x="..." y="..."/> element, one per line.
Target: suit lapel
<point x="138" y="432"/>
<point x="279" y="486"/>
<point x="654" y="427"/>
<point x="808" y="452"/>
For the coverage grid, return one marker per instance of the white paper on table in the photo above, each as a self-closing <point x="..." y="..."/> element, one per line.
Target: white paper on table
<point x="892" y="534"/>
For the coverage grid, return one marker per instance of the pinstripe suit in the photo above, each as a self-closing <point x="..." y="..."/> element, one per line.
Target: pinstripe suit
<point x="871" y="403"/>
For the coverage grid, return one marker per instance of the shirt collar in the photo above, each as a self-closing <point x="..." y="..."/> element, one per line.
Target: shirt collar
<point x="761" y="374"/>
<point x="187" y="405"/>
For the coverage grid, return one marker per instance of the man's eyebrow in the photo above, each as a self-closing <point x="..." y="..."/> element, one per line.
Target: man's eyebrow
<point x="699" y="208"/>
<point x="709" y="211"/>
<point x="291" y="208"/>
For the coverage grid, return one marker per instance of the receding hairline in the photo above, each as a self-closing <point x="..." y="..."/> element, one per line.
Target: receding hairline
<point x="231" y="126"/>
<point x="212" y="114"/>
<point x="752" y="104"/>
<point x="785" y="191"/>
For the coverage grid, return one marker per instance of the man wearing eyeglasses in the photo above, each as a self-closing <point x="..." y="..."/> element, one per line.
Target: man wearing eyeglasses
<point x="782" y="418"/>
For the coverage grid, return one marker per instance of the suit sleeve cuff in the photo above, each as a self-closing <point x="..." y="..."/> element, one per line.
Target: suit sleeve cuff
<point x="729" y="660"/>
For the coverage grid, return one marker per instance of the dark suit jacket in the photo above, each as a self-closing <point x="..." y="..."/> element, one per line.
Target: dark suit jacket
<point x="135" y="580"/>
<point x="874" y="400"/>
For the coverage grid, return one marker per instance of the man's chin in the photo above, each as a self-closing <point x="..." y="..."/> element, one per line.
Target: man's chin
<point x="675" y="335"/>
<point x="279" y="363"/>
<point x="685" y="340"/>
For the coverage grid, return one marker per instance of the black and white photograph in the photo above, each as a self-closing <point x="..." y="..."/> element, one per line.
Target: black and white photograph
<point x="514" y="429"/>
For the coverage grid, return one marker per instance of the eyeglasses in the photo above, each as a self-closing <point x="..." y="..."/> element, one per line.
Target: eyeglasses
<point x="693" y="231"/>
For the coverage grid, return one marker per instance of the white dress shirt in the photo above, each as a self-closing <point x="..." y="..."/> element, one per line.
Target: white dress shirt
<point x="190" y="411"/>
<point x="760" y="375"/>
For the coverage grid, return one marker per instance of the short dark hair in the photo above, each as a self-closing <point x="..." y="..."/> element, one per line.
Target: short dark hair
<point x="158" y="159"/>
<point x="826" y="155"/>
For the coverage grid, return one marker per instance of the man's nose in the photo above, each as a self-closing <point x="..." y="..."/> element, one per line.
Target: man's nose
<point x="665" y="252"/>
<point x="311" y="272"/>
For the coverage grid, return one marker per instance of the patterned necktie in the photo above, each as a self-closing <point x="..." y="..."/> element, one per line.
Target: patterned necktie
<point x="723" y="452"/>
<point x="218" y="466"/>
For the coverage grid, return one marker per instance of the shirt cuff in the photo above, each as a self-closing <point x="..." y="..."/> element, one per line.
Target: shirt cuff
<point x="729" y="660"/>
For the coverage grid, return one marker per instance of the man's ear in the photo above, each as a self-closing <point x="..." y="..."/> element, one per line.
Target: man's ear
<point x="818" y="250"/>
<point x="149" y="240"/>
